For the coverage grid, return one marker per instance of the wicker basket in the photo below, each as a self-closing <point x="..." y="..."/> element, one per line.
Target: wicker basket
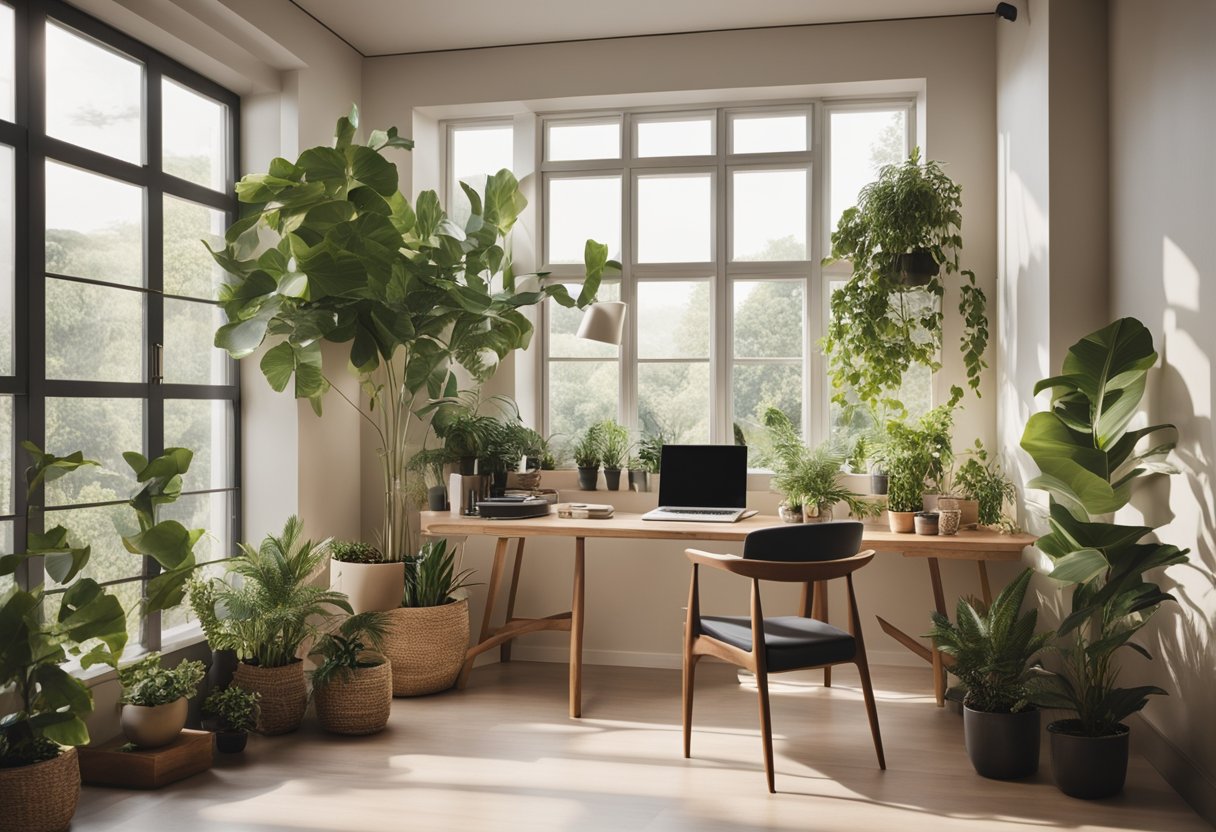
<point x="427" y="646"/>
<point x="358" y="704"/>
<point x="41" y="797"/>
<point x="284" y="694"/>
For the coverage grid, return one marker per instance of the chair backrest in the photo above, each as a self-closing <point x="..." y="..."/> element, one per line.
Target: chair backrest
<point x="805" y="542"/>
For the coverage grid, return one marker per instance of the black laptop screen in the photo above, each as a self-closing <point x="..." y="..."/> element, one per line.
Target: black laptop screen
<point x="711" y="476"/>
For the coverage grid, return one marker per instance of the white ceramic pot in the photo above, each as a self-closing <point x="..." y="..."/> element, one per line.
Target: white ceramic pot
<point x="371" y="587"/>
<point x="156" y="725"/>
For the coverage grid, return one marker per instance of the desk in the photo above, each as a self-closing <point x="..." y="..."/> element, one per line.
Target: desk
<point x="977" y="546"/>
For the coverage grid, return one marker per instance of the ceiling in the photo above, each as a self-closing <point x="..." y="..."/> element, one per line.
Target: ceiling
<point x="387" y="27"/>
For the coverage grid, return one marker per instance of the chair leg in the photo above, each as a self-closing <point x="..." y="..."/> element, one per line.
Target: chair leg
<point x="766" y="729"/>
<point x="690" y="673"/>
<point x="867" y="690"/>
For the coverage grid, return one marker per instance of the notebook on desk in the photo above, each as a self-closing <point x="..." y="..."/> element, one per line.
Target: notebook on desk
<point x="702" y="483"/>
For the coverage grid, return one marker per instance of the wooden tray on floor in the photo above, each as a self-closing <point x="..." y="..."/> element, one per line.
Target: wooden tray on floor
<point x="106" y="765"/>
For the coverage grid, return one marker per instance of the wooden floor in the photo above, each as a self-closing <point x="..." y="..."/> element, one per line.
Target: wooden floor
<point x="502" y="755"/>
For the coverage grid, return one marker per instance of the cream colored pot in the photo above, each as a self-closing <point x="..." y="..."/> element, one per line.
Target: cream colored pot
<point x="151" y="726"/>
<point x="371" y="587"/>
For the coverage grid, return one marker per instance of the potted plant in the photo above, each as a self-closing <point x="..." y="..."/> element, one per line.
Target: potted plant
<point x="992" y="651"/>
<point x="649" y="460"/>
<point x="983" y="487"/>
<point x="43" y="720"/>
<point x="614" y="451"/>
<point x="588" y="453"/>
<point x="233" y="713"/>
<point x="913" y="455"/>
<point x="925" y="522"/>
<point x="330" y="250"/>
<point x="154" y="699"/>
<point x="428" y="635"/>
<point x="270" y="614"/>
<point x="503" y="453"/>
<point x="353" y="684"/>
<point x="360" y="572"/>
<point x="1089" y="462"/>
<point x="535" y="452"/>
<point x="903" y="232"/>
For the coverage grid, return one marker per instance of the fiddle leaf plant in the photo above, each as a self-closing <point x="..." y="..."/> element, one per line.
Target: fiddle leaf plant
<point x="330" y="250"/>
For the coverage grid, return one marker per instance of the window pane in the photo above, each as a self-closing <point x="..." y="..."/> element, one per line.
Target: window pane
<point x="581" y="209"/>
<point x="8" y="63"/>
<point x="675" y="218"/>
<point x="673" y="398"/>
<point x="759" y="386"/>
<point x="7" y="258"/>
<point x="862" y="142"/>
<point x="191" y="356"/>
<point x="7" y="448"/>
<point x="673" y="319"/>
<point x="675" y="137"/>
<point x="583" y="141"/>
<point x="768" y="214"/>
<point x="101" y="528"/>
<point x="102" y="429"/>
<point x="209" y="512"/>
<point x="93" y="333"/>
<point x="94" y="226"/>
<point x="204" y="427"/>
<point x="581" y="393"/>
<point x="563" y="327"/>
<point x="768" y="134"/>
<point x="768" y="318"/>
<point x="188" y="268"/>
<point x="194" y="136"/>
<point x="94" y="95"/>
<point x="476" y="152"/>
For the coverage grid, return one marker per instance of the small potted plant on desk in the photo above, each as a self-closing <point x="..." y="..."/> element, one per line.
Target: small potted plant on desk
<point x="649" y="460"/>
<point x="588" y="453"/>
<point x="360" y="572"/>
<point x="353" y="684"/>
<point x="914" y="455"/>
<point x="232" y="713"/>
<point x="809" y="479"/>
<point x="154" y="699"/>
<point x="984" y="490"/>
<point x="614" y="451"/>
<point x="992" y="651"/>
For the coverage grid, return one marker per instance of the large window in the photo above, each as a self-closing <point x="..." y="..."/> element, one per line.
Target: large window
<point x="115" y="163"/>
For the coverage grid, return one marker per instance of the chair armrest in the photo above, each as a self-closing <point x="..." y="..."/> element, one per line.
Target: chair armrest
<point x="780" y="570"/>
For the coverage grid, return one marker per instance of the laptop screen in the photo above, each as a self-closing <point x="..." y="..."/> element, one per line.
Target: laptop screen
<point x="709" y="476"/>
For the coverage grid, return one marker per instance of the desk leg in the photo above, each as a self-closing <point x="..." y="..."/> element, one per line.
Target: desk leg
<point x="939" y="601"/>
<point x="500" y="557"/>
<point x="985" y="587"/>
<point x="819" y="611"/>
<point x="576" y="631"/>
<point x="504" y="652"/>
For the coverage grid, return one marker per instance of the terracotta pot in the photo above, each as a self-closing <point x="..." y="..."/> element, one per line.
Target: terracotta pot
<point x="284" y="694"/>
<point x="41" y="797"/>
<point x="357" y="704"/>
<point x="151" y="726"/>
<point x="371" y="587"/>
<point x="426" y="647"/>
<point x="902" y="521"/>
<point x="970" y="509"/>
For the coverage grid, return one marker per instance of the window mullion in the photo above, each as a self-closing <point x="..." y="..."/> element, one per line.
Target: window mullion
<point x="154" y="223"/>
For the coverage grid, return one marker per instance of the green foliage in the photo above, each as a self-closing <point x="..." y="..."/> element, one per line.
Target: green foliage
<point x="354" y="551"/>
<point x="412" y="293"/>
<point x="588" y="448"/>
<point x="614" y="444"/>
<point x="146" y="683"/>
<point x="233" y="708"/>
<point x="880" y="327"/>
<point x="431" y="577"/>
<point x="203" y="597"/>
<point x="807" y="477"/>
<point x="275" y="609"/>
<point x="349" y="648"/>
<point x="650" y="452"/>
<point x="981" y="479"/>
<point x="993" y="649"/>
<point x="913" y="455"/>
<point x="1089" y="461"/>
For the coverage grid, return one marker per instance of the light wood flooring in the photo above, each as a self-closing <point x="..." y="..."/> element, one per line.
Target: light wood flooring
<point x="502" y="755"/>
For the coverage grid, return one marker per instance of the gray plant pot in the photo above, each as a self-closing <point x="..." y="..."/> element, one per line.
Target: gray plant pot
<point x="587" y="478"/>
<point x="612" y="479"/>
<point x="878" y="483"/>
<point x="437" y="498"/>
<point x="1088" y="767"/>
<point x="639" y="481"/>
<point x="1002" y="746"/>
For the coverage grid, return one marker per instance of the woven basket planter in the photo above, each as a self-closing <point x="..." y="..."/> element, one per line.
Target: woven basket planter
<point x="284" y="694"/>
<point x="41" y="797"/>
<point x="426" y="647"/>
<point x="358" y="704"/>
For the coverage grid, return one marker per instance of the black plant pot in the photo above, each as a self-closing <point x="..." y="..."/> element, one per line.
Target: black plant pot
<point x="1002" y="746"/>
<point x="612" y="479"/>
<point x="587" y="478"/>
<point x="498" y="484"/>
<point x="878" y="483"/>
<point x="467" y="466"/>
<point x="1088" y="767"/>
<point x="230" y="742"/>
<point x="916" y="267"/>
<point x="437" y="498"/>
<point x="223" y="665"/>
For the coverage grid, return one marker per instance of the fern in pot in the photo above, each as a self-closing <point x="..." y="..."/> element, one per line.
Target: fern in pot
<point x="614" y="452"/>
<point x="993" y="652"/>
<point x="427" y="636"/>
<point x="808" y="479"/>
<point x="232" y="712"/>
<point x="353" y="683"/>
<point x="155" y="699"/>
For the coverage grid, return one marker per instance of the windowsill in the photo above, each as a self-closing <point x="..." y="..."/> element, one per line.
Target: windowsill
<point x="183" y="638"/>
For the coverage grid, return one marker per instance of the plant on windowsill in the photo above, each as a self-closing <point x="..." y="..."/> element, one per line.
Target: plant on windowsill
<point x="647" y="461"/>
<point x="154" y="699"/>
<point x="588" y="453"/>
<point x="428" y="634"/>
<point x="233" y="713"/>
<point x="353" y="683"/>
<point x="43" y="720"/>
<point x="903" y="232"/>
<point x="993" y="651"/>
<point x="614" y="451"/>
<point x="914" y="455"/>
<point x="1089" y="462"/>
<point x="359" y="571"/>
<point x="413" y="294"/>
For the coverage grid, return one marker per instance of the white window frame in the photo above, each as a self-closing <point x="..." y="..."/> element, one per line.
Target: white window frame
<point x="450" y="128"/>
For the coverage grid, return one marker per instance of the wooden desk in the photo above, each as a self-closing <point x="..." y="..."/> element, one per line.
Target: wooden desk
<point x="978" y="546"/>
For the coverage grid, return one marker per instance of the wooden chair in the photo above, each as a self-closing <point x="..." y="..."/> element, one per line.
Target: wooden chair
<point x="811" y="554"/>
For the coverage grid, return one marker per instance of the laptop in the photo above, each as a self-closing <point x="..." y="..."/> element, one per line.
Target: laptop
<point x="703" y="483"/>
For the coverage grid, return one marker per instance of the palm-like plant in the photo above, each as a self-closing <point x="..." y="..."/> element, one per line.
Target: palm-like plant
<point x="354" y="644"/>
<point x="993" y="649"/>
<point x="431" y="576"/>
<point x="274" y="610"/>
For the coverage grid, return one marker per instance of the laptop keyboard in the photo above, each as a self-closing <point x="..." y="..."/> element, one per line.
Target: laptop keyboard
<point x="716" y="512"/>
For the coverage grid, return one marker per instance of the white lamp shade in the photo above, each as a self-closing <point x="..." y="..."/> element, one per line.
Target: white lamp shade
<point x="604" y="321"/>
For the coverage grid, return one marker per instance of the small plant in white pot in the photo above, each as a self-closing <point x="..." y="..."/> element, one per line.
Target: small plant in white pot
<point x="155" y="699"/>
<point x="361" y="573"/>
<point x="353" y="684"/>
<point x="233" y="713"/>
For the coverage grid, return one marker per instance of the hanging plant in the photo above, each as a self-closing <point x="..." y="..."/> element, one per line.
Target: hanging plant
<point x="901" y="237"/>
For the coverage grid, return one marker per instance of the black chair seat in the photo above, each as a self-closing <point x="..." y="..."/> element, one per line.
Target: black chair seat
<point x="793" y="642"/>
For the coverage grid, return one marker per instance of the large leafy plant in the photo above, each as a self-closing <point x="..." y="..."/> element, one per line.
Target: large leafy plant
<point x="1089" y="459"/>
<point x="330" y="250"/>
<point x="881" y="326"/>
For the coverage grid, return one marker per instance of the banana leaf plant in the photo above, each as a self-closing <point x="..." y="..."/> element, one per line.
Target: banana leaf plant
<point x="330" y="250"/>
<point x="1089" y="461"/>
